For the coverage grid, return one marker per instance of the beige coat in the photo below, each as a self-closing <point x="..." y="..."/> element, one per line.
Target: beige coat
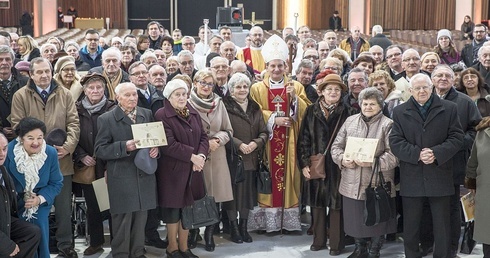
<point x="216" y="172"/>
<point x="354" y="181"/>
<point x="479" y="169"/>
<point x="58" y="112"/>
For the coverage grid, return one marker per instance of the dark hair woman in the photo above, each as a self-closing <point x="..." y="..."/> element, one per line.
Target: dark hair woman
<point x="473" y="85"/>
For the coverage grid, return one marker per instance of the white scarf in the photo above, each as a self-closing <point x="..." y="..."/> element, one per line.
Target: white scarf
<point x="29" y="166"/>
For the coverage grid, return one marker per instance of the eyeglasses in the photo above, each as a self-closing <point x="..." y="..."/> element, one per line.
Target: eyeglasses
<point x="408" y="59"/>
<point x="441" y="75"/>
<point x="158" y="74"/>
<point x="68" y="70"/>
<point x="188" y="44"/>
<point x="186" y="63"/>
<point x="470" y="77"/>
<point x="311" y="57"/>
<point x="91" y="39"/>
<point x="332" y="90"/>
<point x="206" y="84"/>
<point x="479" y="31"/>
<point x="422" y="88"/>
<point x="393" y="55"/>
<point x="330" y="68"/>
<point x="220" y="67"/>
<point x="140" y="73"/>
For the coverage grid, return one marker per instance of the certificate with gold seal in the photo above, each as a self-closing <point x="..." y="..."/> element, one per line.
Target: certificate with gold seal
<point x="149" y="135"/>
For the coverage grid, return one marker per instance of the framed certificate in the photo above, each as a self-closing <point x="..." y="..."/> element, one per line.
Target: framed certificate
<point x="149" y="135"/>
<point x="362" y="149"/>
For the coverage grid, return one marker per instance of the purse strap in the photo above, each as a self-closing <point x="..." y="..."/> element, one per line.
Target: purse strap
<point x="233" y="147"/>
<point x="376" y="171"/>
<point x="333" y="134"/>
<point x="203" y="181"/>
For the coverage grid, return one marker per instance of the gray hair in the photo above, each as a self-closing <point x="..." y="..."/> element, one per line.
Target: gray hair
<point x="114" y="51"/>
<point x="359" y="70"/>
<point x="189" y="37"/>
<point x="183" y="53"/>
<point x="6" y="41"/>
<point x="46" y="45"/>
<point x="218" y="58"/>
<point x="7" y="49"/>
<point x="39" y="60"/>
<point x="420" y="76"/>
<point x="305" y="63"/>
<point x="119" y="87"/>
<point x="480" y="51"/>
<point x="309" y="40"/>
<point x="146" y="55"/>
<point x="408" y="51"/>
<point x="237" y="78"/>
<point x="442" y="66"/>
<point x="371" y="93"/>
<point x="70" y="44"/>
<point x="377" y="29"/>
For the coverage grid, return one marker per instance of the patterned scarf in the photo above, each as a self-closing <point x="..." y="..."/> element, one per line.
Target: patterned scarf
<point x="112" y="83"/>
<point x="204" y="105"/>
<point x="184" y="113"/>
<point x="326" y="108"/>
<point x="29" y="166"/>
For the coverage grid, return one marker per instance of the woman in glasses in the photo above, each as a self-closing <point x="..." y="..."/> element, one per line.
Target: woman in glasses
<point x="476" y="89"/>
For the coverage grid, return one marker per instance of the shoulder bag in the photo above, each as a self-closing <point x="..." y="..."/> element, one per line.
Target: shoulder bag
<point x="202" y="212"/>
<point x="235" y="161"/>
<point x="379" y="204"/>
<point x="264" y="180"/>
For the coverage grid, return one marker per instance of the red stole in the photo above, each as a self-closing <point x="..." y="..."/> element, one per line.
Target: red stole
<point x="247" y="56"/>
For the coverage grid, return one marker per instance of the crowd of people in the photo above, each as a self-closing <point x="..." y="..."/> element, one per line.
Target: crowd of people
<point x="66" y="113"/>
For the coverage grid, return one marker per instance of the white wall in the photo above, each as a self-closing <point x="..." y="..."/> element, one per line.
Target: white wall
<point x="45" y="16"/>
<point x="463" y="8"/>
<point x="357" y="14"/>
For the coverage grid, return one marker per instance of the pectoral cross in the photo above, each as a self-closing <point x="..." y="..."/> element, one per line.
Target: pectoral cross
<point x="252" y="22"/>
<point x="279" y="112"/>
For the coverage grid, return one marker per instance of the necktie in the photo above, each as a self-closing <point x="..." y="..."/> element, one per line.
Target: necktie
<point x="147" y="96"/>
<point x="1" y="179"/>
<point x="44" y="96"/>
<point x="6" y="89"/>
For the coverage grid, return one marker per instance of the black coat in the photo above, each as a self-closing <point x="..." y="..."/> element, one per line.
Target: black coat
<point x="18" y="81"/>
<point x="156" y="101"/>
<point x="441" y="132"/>
<point x="380" y="40"/>
<point x="8" y="209"/>
<point x="469" y="53"/>
<point x="469" y="117"/>
<point x="483" y="72"/>
<point x="313" y="138"/>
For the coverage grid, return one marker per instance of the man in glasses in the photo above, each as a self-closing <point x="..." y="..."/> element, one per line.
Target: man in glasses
<point x="394" y="60"/>
<point x="111" y="70"/>
<point x="483" y="65"/>
<point x="469" y="54"/>
<point x="354" y="44"/>
<point x="186" y="65"/>
<point x="147" y="94"/>
<point x="92" y="52"/>
<point x="252" y="55"/>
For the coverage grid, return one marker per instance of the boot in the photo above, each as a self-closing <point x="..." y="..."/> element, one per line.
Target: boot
<point x="208" y="238"/>
<point x="361" y="249"/>
<point x="192" y="240"/>
<point x="244" y="231"/>
<point x="225" y="222"/>
<point x="234" y="233"/>
<point x="376" y="244"/>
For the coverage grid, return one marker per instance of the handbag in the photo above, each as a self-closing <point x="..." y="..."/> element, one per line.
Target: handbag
<point x="235" y="162"/>
<point x="317" y="161"/>
<point x="264" y="180"/>
<point x="468" y="243"/>
<point x="202" y="212"/>
<point x="379" y="204"/>
<point x="84" y="175"/>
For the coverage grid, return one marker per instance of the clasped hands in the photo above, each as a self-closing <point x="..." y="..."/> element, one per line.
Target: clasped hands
<point x="427" y="156"/>
<point x="248" y="148"/>
<point x="348" y="163"/>
<point x="32" y="201"/>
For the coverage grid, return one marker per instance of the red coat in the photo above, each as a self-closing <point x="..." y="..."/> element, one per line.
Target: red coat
<point x="184" y="138"/>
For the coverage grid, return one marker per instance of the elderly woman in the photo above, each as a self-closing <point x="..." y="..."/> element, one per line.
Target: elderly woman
<point x="93" y="104"/>
<point x="249" y="137"/>
<point x="172" y="65"/>
<point x="48" y="51"/>
<point x="320" y="125"/>
<point x="477" y="176"/>
<point x="474" y="86"/>
<point x="446" y="49"/>
<point x="217" y="125"/>
<point x="128" y="54"/>
<point x="65" y="74"/>
<point x="28" y="48"/>
<point x="382" y="81"/>
<point x="344" y="57"/>
<point x="429" y="61"/>
<point x="356" y="175"/>
<point x="182" y="160"/>
<point x="365" y="62"/>
<point x="73" y="49"/>
<point x="35" y="170"/>
<point x="331" y="63"/>
<point x="148" y="58"/>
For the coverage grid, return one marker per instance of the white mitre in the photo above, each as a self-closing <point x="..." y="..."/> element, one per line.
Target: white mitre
<point x="275" y="48"/>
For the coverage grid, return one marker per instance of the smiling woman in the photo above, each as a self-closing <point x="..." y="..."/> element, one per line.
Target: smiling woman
<point x="66" y="75"/>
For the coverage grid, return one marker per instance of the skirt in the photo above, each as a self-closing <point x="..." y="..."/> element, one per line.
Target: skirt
<point x="353" y="212"/>
<point x="244" y="193"/>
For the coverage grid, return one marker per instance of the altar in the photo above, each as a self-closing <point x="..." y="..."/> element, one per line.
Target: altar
<point x="89" y="23"/>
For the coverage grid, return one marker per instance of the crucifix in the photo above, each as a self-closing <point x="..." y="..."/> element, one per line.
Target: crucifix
<point x="252" y="22"/>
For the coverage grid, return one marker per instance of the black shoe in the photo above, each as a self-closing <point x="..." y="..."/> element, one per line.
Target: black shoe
<point x="174" y="254"/>
<point x="209" y="239"/>
<point x="68" y="253"/>
<point x="91" y="250"/>
<point x="334" y="252"/>
<point x="391" y="237"/>
<point x="188" y="254"/>
<point x="361" y="250"/>
<point x="192" y="240"/>
<point x="158" y="243"/>
<point x="317" y="248"/>
<point x="244" y="231"/>
<point x="424" y="251"/>
<point x="234" y="233"/>
<point x="216" y="229"/>
<point x="309" y="232"/>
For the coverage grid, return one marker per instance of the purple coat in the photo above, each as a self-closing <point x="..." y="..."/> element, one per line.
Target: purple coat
<point x="184" y="138"/>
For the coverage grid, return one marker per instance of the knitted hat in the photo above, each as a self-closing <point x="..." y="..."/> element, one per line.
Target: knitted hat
<point x="22" y="66"/>
<point x="174" y="85"/>
<point x="444" y="33"/>
<point x="62" y="62"/>
<point x="332" y="78"/>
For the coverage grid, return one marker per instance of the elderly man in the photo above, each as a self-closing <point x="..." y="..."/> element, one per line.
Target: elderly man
<point x="426" y="135"/>
<point x="313" y="56"/>
<point x="111" y="70"/>
<point x="18" y="237"/>
<point x="469" y="54"/>
<point x="378" y="54"/>
<point x="48" y="51"/>
<point x="228" y="51"/>
<point x="132" y="191"/>
<point x="379" y="38"/>
<point x="394" y="60"/>
<point x="483" y="65"/>
<point x="161" y="58"/>
<point x="186" y="65"/>
<point x="214" y="43"/>
<point x="92" y="52"/>
<point x="411" y="65"/>
<point x="10" y="81"/>
<point x="221" y="71"/>
<point x="189" y="43"/>
<point x="158" y="77"/>
<point x="323" y="49"/>
<point x="252" y="55"/>
<point x="331" y="38"/>
<point x="354" y="45"/>
<point x="238" y="66"/>
<point x="153" y="28"/>
<point x="147" y="94"/>
<point x="469" y="117"/>
<point x="13" y="42"/>
<point x="53" y="104"/>
<point x="148" y="58"/>
<point x="283" y="104"/>
<point x="304" y="75"/>
<point x="357" y="81"/>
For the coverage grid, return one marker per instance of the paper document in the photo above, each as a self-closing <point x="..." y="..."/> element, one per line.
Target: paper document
<point x="149" y="135"/>
<point x="100" y="188"/>
<point x="362" y="149"/>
